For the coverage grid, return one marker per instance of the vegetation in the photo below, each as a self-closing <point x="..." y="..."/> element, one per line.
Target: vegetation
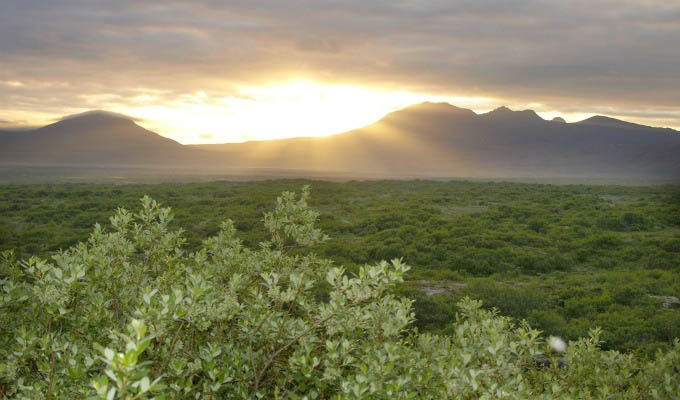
<point x="566" y="258"/>
<point x="132" y="314"/>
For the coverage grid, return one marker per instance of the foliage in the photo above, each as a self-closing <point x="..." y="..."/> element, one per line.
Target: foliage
<point x="131" y="314"/>
<point x="523" y="248"/>
<point x="566" y="304"/>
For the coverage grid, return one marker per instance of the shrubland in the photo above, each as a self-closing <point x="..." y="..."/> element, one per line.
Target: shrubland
<point x="132" y="313"/>
<point x="564" y="257"/>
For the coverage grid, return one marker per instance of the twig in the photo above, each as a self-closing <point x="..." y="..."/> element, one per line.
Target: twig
<point x="290" y="308"/>
<point x="51" y="385"/>
<point x="172" y="349"/>
<point x="258" y="376"/>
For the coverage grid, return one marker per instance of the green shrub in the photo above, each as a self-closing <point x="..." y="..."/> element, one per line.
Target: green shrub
<point x="130" y="315"/>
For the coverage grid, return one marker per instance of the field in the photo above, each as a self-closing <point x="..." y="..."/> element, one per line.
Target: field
<point x="566" y="258"/>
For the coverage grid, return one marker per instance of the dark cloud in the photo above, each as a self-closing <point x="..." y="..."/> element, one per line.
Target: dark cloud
<point x="575" y="53"/>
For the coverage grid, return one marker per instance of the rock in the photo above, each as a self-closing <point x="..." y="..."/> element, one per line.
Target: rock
<point x="668" y="302"/>
<point x="431" y="288"/>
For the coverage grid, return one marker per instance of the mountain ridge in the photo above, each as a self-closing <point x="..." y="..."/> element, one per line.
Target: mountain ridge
<point x="427" y="139"/>
<point x="98" y="114"/>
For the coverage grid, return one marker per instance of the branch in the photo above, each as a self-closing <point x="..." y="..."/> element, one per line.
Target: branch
<point x="290" y="308"/>
<point x="258" y="377"/>
<point x="172" y="349"/>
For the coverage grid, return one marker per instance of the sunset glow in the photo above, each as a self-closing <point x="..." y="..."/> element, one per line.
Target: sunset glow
<point x="208" y="72"/>
<point x="289" y="110"/>
<point x="300" y="108"/>
<point x="292" y="109"/>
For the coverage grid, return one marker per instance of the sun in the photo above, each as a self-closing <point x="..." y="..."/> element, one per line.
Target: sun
<point x="291" y="109"/>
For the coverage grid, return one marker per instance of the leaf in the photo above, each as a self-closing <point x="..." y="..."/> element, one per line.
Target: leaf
<point x="144" y="384"/>
<point x="139" y="327"/>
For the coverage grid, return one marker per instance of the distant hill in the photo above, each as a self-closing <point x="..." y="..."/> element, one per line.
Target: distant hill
<point x="429" y="139"/>
<point x="94" y="138"/>
<point x="438" y="139"/>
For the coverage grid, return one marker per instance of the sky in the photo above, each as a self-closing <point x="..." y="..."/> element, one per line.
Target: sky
<point x="212" y="71"/>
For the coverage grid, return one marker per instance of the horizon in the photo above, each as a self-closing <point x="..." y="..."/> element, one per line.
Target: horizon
<point x="180" y="131"/>
<point x="203" y="72"/>
<point x="142" y="123"/>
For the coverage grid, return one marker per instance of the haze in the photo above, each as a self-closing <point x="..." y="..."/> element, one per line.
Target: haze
<point x="209" y="71"/>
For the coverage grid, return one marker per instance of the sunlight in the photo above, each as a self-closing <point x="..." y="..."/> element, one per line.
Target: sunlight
<point x="294" y="109"/>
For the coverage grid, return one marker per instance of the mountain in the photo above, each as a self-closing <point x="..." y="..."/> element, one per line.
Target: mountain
<point x="428" y="139"/>
<point x="438" y="139"/>
<point x="92" y="138"/>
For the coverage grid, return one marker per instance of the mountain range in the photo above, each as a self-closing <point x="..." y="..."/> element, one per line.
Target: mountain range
<point x="424" y="140"/>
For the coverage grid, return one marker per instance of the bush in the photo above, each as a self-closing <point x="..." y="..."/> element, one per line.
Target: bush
<point x="131" y="315"/>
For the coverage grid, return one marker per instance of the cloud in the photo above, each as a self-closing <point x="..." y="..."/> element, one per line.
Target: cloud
<point x="572" y="53"/>
<point x="6" y="124"/>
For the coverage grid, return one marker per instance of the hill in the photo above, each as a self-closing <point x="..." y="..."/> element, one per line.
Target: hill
<point x="438" y="139"/>
<point x="428" y="140"/>
<point x="95" y="138"/>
